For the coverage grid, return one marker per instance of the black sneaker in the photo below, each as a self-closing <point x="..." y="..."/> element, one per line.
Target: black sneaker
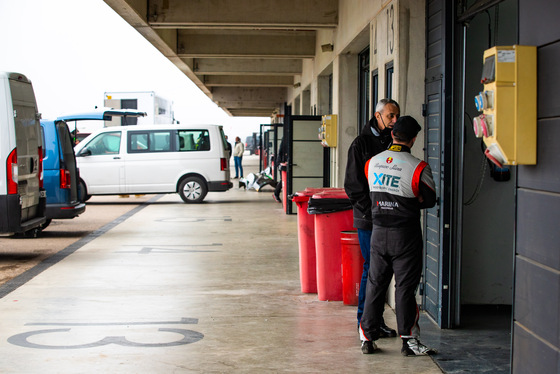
<point x="368" y="347"/>
<point x="386" y="332"/>
<point x="413" y="347"/>
<point x="276" y="198"/>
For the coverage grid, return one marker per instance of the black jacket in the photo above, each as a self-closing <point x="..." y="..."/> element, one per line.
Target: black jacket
<point x="366" y="145"/>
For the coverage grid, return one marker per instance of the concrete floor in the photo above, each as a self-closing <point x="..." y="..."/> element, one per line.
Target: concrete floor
<point x="177" y="288"/>
<point x="482" y="344"/>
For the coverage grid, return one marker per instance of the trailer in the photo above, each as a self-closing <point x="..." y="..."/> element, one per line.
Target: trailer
<point x="158" y="110"/>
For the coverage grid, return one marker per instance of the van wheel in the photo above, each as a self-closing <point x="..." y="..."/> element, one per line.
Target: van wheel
<point x="46" y="224"/>
<point x="82" y="192"/>
<point x="192" y="190"/>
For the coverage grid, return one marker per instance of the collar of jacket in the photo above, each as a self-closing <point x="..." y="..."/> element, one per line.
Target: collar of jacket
<point x="399" y="148"/>
<point x="372" y="131"/>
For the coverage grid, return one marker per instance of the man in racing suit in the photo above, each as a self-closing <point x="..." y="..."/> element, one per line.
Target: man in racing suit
<point x="374" y="138"/>
<point x="400" y="185"/>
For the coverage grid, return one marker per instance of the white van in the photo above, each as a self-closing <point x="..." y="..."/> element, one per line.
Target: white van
<point x="22" y="198"/>
<point x="189" y="160"/>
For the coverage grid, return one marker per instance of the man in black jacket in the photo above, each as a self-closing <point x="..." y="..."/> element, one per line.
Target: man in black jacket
<point x="374" y="138"/>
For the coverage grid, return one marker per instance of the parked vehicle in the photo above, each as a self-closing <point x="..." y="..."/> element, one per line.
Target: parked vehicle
<point x="22" y="197"/>
<point x="189" y="160"/>
<point x="99" y="115"/>
<point x="252" y="144"/>
<point x="249" y="144"/>
<point x="158" y="109"/>
<point x="60" y="172"/>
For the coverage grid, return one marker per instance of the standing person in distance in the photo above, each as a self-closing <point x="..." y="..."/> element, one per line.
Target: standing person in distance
<point x="238" y="150"/>
<point x="374" y="138"/>
<point x="400" y="186"/>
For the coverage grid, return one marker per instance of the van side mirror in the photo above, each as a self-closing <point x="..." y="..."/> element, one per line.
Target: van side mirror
<point x="84" y="152"/>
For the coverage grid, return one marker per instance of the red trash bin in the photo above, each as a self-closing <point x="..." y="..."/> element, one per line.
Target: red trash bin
<point x="352" y="267"/>
<point x="306" y="240"/>
<point x="328" y="227"/>
<point x="284" y="184"/>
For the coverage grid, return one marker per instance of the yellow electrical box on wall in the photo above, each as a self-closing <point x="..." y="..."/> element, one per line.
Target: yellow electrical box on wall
<point x="327" y="131"/>
<point x="509" y="105"/>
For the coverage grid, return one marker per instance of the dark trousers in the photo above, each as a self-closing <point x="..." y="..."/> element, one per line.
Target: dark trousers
<point x="364" y="237"/>
<point x="278" y="190"/>
<point x="395" y="251"/>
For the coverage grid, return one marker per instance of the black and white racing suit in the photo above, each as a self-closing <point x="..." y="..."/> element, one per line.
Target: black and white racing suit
<point x="400" y="185"/>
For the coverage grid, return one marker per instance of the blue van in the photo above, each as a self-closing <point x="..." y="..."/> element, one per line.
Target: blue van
<point x="60" y="173"/>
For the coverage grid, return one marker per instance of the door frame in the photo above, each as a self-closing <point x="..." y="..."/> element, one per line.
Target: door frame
<point x="445" y="314"/>
<point x="288" y="132"/>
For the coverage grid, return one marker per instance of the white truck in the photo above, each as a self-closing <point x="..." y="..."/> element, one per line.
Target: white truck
<point x="158" y="110"/>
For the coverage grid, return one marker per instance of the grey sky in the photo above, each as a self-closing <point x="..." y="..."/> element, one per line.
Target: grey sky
<point x="75" y="50"/>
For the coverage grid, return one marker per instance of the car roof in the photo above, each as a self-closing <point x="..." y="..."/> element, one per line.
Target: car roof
<point x="80" y="145"/>
<point x="157" y="127"/>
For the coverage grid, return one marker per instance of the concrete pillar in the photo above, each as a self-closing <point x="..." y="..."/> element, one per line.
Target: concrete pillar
<point x="345" y="104"/>
<point x="306" y="101"/>
<point x="323" y="94"/>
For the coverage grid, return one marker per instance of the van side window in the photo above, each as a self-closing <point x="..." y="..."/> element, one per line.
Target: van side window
<point x="160" y="141"/>
<point x="107" y="143"/>
<point x="138" y="142"/>
<point x="193" y="140"/>
<point x="149" y="141"/>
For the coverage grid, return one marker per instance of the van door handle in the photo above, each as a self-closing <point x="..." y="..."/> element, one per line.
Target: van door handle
<point x="116" y="158"/>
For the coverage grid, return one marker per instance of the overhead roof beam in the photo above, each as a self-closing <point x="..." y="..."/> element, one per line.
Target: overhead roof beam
<point x="253" y="105"/>
<point x="249" y="112"/>
<point x="257" y="66"/>
<point x="247" y="81"/>
<point x="269" y="14"/>
<point x="249" y="101"/>
<point x="249" y="98"/>
<point x="236" y="43"/>
<point x="249" y="94"/>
